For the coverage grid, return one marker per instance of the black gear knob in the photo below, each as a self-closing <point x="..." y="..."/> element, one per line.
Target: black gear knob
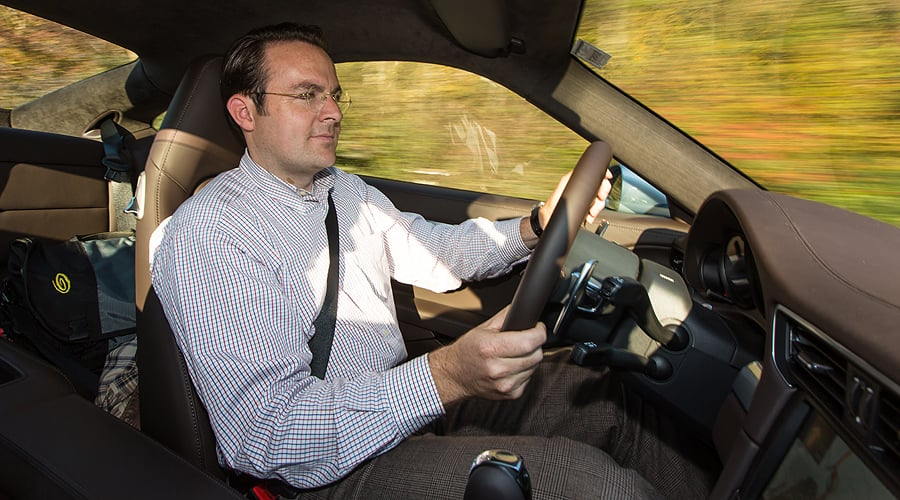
<point x="498" y="475"/>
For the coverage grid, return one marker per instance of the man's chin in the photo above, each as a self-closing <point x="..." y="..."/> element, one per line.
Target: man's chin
<point x="326" y="161"/>
<point x="329" y="156"/>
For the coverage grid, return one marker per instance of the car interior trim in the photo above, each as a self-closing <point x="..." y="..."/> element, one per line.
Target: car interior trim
<point x="781" y="357"/>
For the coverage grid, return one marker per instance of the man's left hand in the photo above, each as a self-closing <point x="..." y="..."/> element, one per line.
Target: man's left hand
<point x="597" y="206"/>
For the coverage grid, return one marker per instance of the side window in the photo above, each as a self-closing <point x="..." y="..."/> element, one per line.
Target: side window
<point x="442" y="126"/>
<point x="38" y="56"/>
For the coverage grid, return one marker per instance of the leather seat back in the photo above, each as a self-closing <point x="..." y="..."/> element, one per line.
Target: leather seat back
<point x="171" y="412"/>
<point x="195" y="143"/>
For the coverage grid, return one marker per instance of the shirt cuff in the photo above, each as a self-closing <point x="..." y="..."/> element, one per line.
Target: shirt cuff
<point x="516" y="249"/>
<point x="414" y="398"/>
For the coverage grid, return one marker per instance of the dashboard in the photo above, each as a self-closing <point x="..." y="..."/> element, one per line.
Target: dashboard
<point x="835" y="268"/>
<point x="822" y="284"/>
<point x="790" y="308"/>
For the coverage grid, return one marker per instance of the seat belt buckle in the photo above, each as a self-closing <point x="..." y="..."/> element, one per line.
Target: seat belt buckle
<point x="273" y="489"/>
<point x="260" y="492"/>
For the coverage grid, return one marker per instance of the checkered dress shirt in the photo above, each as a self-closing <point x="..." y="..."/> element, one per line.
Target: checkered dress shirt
<point x="241" y="273"/>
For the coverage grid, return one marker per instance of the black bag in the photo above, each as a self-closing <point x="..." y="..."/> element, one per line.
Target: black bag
<point x="72" y="301"/>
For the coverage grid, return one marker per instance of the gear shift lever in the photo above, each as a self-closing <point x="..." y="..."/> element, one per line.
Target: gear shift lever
<point x="498" y="475"/>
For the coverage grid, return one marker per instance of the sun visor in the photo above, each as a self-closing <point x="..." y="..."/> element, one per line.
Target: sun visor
<point x="479" y="26"/>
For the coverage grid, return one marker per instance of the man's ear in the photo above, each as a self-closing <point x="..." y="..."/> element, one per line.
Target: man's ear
<point x="242" y="109"/>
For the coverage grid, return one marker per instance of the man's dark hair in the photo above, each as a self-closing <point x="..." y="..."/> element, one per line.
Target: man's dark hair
<point x="245" y="71"/>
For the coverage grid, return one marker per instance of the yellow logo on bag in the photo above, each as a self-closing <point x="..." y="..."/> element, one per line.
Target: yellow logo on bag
<point x="61" y="283"/>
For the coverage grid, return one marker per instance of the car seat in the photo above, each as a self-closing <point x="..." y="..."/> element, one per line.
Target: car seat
<point x="195" y="143"/>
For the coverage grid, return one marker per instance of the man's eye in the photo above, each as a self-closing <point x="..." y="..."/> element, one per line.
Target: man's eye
<point x="310" y="95"/>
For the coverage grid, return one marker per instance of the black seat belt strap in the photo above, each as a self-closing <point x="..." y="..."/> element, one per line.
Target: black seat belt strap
<point x="320" y="343"/>
<point x="118" y="173"/>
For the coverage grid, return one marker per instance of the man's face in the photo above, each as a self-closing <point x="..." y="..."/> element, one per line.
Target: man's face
<point x="294" y="140"/>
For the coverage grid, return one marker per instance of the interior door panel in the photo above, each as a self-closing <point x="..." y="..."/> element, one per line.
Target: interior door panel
<point x="51" y="186"/>
<point x="428" y="319"/>
<point x="55" y="444"/>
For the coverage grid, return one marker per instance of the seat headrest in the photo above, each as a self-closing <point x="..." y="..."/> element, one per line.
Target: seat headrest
<point x="198" y="108"/>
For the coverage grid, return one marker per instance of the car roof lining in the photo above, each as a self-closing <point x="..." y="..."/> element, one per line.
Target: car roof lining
<point x="480" y="26"/>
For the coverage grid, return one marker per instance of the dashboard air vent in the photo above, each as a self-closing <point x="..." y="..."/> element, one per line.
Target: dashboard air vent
<point x="863" y="401"/>
<point x="818" y="367"/>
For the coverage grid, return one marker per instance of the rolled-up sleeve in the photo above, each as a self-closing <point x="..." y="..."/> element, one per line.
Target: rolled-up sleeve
<point x="440" y="257"/>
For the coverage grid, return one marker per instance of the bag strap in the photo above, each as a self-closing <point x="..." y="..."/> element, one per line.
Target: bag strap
<point x="320" y="343"/>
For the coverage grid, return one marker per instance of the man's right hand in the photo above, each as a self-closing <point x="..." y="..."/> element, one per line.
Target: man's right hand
<point x="487" y="363"/>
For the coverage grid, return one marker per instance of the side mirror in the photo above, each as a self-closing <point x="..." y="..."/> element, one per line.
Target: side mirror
<point x="631" y="194"/>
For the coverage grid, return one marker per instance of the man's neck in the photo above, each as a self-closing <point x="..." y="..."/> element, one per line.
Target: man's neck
<point x="302" y="182"/>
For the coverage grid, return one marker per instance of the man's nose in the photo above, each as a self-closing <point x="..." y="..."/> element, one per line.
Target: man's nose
<point x="330" y="109"/>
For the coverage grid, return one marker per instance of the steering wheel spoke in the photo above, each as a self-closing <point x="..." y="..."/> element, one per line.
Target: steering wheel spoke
<point x="575" y="296"/>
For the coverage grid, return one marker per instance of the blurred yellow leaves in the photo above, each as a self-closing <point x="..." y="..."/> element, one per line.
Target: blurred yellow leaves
<point x="803" y="96"/>
<point x="38" y="56"/>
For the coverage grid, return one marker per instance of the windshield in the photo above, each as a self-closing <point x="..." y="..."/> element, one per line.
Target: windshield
<point x="802" y="96"/>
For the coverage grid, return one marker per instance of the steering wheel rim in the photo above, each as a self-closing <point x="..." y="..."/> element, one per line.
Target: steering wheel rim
<point x="542" y="270"/>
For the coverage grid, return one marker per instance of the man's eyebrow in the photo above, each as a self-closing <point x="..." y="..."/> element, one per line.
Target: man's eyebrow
<point x="307" y="86"/>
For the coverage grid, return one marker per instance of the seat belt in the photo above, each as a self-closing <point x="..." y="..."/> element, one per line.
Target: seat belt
<point x="118" y="175"/>
<point x="320" y="343"/>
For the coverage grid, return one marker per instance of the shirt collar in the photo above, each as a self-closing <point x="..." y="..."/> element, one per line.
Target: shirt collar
<point x="273" y="186"/>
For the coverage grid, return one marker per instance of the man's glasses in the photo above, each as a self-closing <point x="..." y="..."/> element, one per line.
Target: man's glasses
<point x="314" y="99"/>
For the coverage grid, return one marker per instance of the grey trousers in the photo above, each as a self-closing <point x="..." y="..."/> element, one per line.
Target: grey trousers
<point x="581" y="434"/>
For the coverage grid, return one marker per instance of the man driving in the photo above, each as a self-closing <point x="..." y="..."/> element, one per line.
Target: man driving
<point x="242" y="272"/>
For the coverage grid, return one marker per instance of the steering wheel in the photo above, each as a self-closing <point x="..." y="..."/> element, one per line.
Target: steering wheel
<point x="542" y="271"/>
